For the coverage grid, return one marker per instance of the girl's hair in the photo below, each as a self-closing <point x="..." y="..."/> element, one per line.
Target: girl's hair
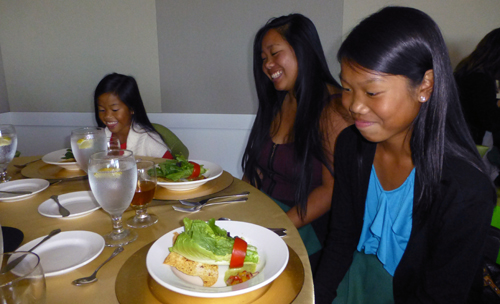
<point x="405" y="41"/>
<point x="127" y="90"/>
<point x="311" y="92"/>
<point x="484" y="59"/>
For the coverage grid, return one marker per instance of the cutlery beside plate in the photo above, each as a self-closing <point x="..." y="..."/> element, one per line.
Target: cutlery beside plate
<point x="78" y="203"/>
<point x="23" y="187"/>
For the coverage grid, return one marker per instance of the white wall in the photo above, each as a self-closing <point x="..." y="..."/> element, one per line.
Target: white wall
<point x="219" y="138"/>
<point x="463" y="22"/>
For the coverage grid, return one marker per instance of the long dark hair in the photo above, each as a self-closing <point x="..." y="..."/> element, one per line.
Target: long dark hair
<point x="405" y="41"/>
<point x="311" y="92"/>
<point x="484" y="59"/>
<point x="126" y="89"/>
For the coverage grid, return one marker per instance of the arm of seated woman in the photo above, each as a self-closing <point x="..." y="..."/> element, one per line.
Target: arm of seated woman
<point x="318" y="202"/>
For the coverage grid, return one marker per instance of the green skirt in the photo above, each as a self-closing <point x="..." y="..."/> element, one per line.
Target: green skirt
<point x="366" y="281"/>
<point x="306" y="232"/>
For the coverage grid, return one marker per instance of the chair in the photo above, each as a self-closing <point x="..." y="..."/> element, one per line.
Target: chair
<point x="172" y="141"/>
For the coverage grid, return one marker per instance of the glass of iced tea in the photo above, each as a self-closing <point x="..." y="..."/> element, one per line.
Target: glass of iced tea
<point x="144" y="193"/>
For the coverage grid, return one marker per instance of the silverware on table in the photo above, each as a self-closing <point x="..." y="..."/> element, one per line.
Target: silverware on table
<point x="92" y="278"/>
<point x="25" y="164"/>
<point x="198" y="208"/>
<point x="278" y="231"/>
<point x="20" y="192"/>
<point x="63" y="211"/>
<point x="18" y="260"/>
<point x="204" y="201"/>
<point x="55" y="181"/>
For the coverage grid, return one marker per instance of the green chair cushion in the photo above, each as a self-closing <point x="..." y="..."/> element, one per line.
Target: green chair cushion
<point x="172" y="141"/>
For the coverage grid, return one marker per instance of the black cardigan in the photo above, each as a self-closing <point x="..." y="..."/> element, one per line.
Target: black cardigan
<point x="444" y="253"/>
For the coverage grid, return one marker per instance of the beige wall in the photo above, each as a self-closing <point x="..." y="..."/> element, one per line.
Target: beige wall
<point x="55" y="52"/>
<point x="462" y="22"/>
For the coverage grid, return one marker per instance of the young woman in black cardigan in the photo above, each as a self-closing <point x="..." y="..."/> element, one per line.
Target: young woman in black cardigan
<point x="411" y="205"/>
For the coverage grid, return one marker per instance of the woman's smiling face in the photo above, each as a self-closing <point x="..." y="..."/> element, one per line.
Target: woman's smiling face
<point x="279" y="62"/>
<point x="114" y="114"/>
<point x="383" y="106"/>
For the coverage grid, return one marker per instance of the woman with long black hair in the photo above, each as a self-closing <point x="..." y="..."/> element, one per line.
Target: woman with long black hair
<point x="289" y="154"/>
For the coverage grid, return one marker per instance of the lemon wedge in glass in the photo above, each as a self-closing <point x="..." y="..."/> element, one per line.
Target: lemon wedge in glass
<point x="108" y="172"/>
<point x="5" y="141"/>
<point x="84" y="143"/>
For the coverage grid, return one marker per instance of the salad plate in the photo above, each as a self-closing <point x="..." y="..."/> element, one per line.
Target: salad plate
<point x="273" y="258"/>
<point x="78" y="203"/>
<point x="34" y="185"/>
<point x="56" y="158"/>
<point x="213" y="171"/>
<point x="66" y="251"/>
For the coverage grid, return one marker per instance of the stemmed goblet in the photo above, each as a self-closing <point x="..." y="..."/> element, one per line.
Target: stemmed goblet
<point x="85" y="142"/>
<point x="144" y="193"/>
<point x="8" y="146"/>
<point x="113" y="179"/>
<point x="112" y="143"/>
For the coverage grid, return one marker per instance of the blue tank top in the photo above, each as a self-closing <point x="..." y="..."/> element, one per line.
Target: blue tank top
<point x="387" y="221"/>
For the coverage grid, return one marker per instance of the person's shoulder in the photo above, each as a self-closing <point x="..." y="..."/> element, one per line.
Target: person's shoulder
<point x="466" y="176"/>
<point x="350" y="135"/>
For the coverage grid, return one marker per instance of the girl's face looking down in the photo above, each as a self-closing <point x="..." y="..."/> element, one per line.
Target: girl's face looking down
<point x="115" y="114"/>
<point x="279" y="62"/>
<point x="383" y="106"/>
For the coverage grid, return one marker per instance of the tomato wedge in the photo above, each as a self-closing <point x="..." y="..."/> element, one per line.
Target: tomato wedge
<point x="196" y="170"/>
<point x="239" y="253"/>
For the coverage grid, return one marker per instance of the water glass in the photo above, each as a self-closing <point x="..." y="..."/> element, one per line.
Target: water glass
<point x="144" y="193"/>
<point x="113" y="179"/>
<point x="85" y="142"/>
<point x="113" y="143"/>
<point x="25" y="283"/>
<point x="8" y="146"/>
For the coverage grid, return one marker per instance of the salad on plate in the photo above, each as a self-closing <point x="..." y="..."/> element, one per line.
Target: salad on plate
<point x="204" y="246"/>
<point x="179" y="170"/>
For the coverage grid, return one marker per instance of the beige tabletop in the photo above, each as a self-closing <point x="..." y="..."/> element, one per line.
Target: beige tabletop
<point x="23" y="214"/>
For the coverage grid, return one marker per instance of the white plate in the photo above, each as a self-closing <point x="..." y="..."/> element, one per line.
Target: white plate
<point x="273" y="256"/>
<point x="213" y="171"/>
<point x="66" y="251"/>
<point x="29" y="184"/>
<point x="78" y="203"/>
<point x="55" y="158"/>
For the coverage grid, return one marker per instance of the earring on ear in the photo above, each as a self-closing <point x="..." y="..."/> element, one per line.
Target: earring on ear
<point x="422" y="98"/>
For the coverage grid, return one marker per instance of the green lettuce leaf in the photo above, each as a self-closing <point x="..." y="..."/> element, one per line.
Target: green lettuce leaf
<point x="176" y="169"/>
<point x="208" y="243"/>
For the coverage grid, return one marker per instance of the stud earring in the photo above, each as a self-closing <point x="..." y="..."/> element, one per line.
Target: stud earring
<point x="422" y="98"/>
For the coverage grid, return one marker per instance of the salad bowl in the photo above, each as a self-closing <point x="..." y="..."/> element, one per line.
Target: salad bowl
<point x="213" y="171"/>
<point x="273" y="258"/>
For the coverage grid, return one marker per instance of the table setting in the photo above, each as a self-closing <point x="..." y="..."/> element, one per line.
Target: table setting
<point x="117" y="215"/>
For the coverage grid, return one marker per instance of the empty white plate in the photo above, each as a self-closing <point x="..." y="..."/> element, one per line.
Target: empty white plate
<point x="66" y="251"/>
<point x="34" y="185"/>
<point x="78" y="203"/>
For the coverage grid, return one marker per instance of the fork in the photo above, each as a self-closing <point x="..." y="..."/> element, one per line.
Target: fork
<point x="25" y="164"/>
<point x="198" y="208"/>
<point x="204" y="201"/>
